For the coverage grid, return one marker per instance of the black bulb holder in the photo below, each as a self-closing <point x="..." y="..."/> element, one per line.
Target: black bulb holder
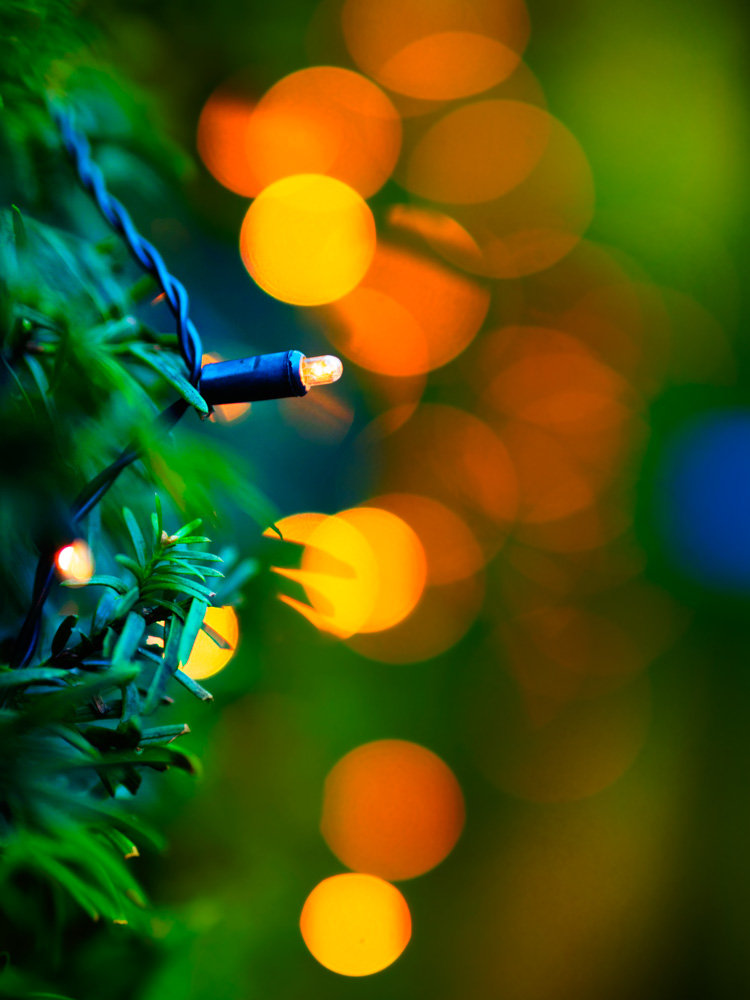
<point x="248" y="380"/>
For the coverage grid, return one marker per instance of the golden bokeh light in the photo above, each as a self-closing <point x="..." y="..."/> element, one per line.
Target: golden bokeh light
<point x="75" y="562"/>
<point x="436" y="51"/>
<point x="208" y="657"/>
<point x="400" y="564"/>
<point x="355" y="924"/>
<point x="323" y="120"/>
<point x="363" y="570"/>
<point x="222" y="131"/>
<point x="392" y="808"/>
<point x="339" y="572"/>
<point x="477" y="153"/>
<point x="409" y="315"/>
<point x="308" y="239"/>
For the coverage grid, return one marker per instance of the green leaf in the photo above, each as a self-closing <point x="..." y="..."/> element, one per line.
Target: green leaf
<point x="104" y="611"/>
<point x="63" y="633"/>
<point x="193" y="623"/>
<point x="132" y="633"/>
<point x="147" y="757"/>
<point x="101" y="581"/>
<point x="135" y="568"/>
<point x="168" y="367"/>
<point x="30" y="675"/>
<point x="127" y="602"/>
<point x="177" y="584"/>
<point x="136" y="535"/>
<point x="187" y="528"/>
<point x="163" y="734"/>
<point x="193" y="686"/>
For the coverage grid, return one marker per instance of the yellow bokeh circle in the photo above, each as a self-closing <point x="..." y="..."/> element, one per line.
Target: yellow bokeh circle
<point x="308" y="239"/>
<point x="207" y="657"/>
<point x="355" y="924"/>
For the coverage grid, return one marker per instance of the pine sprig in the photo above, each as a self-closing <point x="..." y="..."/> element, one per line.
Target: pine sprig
<point x="72" y="730"/>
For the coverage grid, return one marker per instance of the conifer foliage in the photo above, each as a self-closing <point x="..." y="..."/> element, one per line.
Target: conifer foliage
<point x="81" y="375"/>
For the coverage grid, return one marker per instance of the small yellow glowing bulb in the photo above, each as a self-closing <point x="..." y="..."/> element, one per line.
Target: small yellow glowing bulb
<point x="320" y="371"/>
<point x="75" y="562"/>
<point x="355" y="924"/>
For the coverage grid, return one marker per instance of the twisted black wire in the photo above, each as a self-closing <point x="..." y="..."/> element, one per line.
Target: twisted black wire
<point x="77" y="146"/>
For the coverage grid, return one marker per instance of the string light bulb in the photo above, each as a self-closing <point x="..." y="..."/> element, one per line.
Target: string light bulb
<point x="320" y="371"/>
<point x="75" y="562"/>
<point x="266" y="376"/>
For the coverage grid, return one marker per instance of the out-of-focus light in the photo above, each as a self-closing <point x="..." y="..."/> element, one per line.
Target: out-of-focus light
<point x="451" y="550"/>
<point x="338" y="572"/>
<point x="323" y="120"/>
<point x="561" y="749"/>
<point x="392" y="808"/>
<point x="222" y="130"/>
<point x="478" y="152"/>
<point x="702" y="498"/>
<point x="320" y="371"/>
<point x="456" y="458"/>
<point x="75" y="562"/>
<point x="436" y="51"/>
<point x="409" y="315"/>
<point x="363" y="570"/>
<point x="355" y="924"/>
<point x="308" y="239"/>
<point x="207" y="657"/>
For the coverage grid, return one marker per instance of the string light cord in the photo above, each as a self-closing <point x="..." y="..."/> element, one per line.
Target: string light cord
<point x="267" y="376"/>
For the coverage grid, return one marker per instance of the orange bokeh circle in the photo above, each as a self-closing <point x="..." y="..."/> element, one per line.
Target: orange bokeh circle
<point x="355" y="924"/>
<point x="477" y="153"/>
<point x="436" y="50"/>
<point x="392" y="808"/>
<point x="222" y="129"/>
<point x="323" y="120"/>
<point x="409" y="315"/>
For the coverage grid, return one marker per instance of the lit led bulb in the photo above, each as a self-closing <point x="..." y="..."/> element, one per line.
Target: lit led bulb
<point x="75" y="562"/>
<point x="320" y="371"/>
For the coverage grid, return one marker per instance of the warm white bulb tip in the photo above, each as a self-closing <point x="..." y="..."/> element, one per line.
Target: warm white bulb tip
<point x="320" y="371"/>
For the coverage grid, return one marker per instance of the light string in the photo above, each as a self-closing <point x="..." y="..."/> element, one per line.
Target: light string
<point x="78" y="148"/>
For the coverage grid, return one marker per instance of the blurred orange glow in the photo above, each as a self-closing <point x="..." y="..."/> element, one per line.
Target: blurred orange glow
<point x="355" y="924"/>
<point x="308" y="239"/>
<point x="392" y="808"/>
<point x="443" y="616"/>
<point x="452" y="551"/>
<point x="581" y="572"/>
<point x="222" y="132"/>
<point x="363" y="570"/>
<point x="537" y="223"/>
<point x="442" y="232"/>
<point x="455" y="458"/>
<point x="225" y="413"/>
<point x="408" y="316"/>
<point x="75" y="562"/>
<point x="477" y="153"/>
<point x="323" y="120"/>
<point x="207" y="658"/>
<point x="558" y="751"/>
<point x="432" y="50"/>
